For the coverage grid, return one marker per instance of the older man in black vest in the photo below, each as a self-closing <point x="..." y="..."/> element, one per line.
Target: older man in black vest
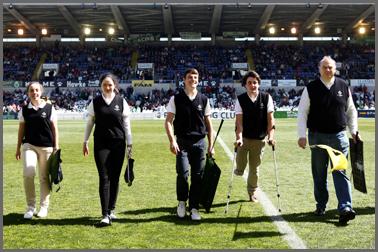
<point x="326" y="108"/>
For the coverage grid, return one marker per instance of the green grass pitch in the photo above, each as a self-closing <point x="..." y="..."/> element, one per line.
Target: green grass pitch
<point x="146" y="210"/>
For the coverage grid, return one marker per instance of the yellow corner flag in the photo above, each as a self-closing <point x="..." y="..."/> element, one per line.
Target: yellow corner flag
<point x="337" y="158"/>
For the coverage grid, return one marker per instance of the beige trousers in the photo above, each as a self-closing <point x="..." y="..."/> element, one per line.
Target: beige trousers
<point x="32" y="155"/>
<point x="252" y="152"/>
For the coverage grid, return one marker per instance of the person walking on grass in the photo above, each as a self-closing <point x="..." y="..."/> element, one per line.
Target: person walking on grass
<point x="111" y="115"/>
<point x="188" y="119"/>
<point x="37" y="140"/>
<point x="326" y="108"/>
<point x="255" y="125"/>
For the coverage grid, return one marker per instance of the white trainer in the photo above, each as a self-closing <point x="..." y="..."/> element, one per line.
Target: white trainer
<point x="194" y="214"/>
<point x="42" y="212"/>
<point x="29" y="213"/>
<point x="181" y="209"/>
<point x="112" y="215"/>
<point x="105" y="221"/>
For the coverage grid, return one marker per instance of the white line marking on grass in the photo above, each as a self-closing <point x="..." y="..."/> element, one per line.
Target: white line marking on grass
<point x="289" y="235"/>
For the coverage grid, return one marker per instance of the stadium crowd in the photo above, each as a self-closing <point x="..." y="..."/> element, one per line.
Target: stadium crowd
<point x="156" y="100"/>
<point x="271" y="61"/>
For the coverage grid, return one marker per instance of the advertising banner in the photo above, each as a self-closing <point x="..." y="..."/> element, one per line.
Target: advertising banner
<point x="287" y="83"/>
<point x="145" y="65"/>
<point x="362" y="82"/>
<point x="366" y="113"/>
<point x="241" y="65"/>
<point x="266" y="83"/>
<point x="142" y="83"/>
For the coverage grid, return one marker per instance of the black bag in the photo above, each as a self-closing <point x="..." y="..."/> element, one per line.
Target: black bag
<point x="357" y="163"/>
<point x="209" y="184"/>
<point x="55" y="169"/>
<point x="210" y="178"/>
<point x="129" y="172"/>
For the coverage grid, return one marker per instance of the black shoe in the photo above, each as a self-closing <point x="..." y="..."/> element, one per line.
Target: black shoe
<point x="319" y="212"/>
<point x="346" y="215"/>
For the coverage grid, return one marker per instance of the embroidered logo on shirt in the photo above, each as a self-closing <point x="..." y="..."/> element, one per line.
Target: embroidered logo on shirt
<point x="43" y="115"/>
<point x="261" y="105"/>
<point x="116" y="108"/>
<point x="199" y="107"/>
<point x="339" y="93"/>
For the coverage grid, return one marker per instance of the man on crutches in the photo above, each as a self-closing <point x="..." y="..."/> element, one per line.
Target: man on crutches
<point x="254" y="127"/>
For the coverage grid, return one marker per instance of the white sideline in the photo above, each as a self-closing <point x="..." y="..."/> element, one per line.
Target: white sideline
<point x="288" y="233"/>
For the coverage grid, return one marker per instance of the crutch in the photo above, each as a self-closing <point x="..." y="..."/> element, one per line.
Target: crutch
<point x="276" y="173"/>
<point x="231" y="178"/>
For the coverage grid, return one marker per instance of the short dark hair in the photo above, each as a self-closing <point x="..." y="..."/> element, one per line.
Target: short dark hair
<point x="111" y="76"/>
<point x="191" y="71"/>
<point x="252" y="74"/>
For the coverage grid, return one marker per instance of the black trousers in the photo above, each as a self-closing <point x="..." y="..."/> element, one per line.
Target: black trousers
<point x="191" y="156"/>
<point x="109" y="157"/>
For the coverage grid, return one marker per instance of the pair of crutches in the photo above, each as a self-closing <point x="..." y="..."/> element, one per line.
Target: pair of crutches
<point x="232" y="177"/>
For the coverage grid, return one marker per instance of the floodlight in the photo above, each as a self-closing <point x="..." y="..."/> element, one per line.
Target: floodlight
<point x="362" y="30"/>
<point x="87" y="30"/>
<point x="111" y="30"/>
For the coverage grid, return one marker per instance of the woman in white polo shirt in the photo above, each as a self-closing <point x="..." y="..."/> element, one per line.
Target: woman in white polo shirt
<point x="37" y="139"/>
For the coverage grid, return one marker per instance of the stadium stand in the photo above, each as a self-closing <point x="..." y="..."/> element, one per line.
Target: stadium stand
<point x="272" y="61"/>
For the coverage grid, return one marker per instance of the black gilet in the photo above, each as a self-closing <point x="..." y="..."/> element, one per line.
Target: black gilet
<point x="38" y="130"/>
<point x="255" y="115"/>
<point x="189" y="119"/>
<point x="327" y="106"/>
<point x="108" y="119"/>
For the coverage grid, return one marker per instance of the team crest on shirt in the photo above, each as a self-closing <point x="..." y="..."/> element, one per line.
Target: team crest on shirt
<point x="43" y="115"/>
<point x="116" y="108"/>
<point x="339" y="93"/>
<point x="261" y="105"/>
<point x="199" y="107"/>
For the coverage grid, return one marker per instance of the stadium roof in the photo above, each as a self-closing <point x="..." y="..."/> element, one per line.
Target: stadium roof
<point x="240" y="18"/>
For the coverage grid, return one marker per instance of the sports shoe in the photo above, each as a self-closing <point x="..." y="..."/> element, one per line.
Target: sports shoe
<point x="252" y="197"/>
<point x="42" y="212"/>
<point x="238" y="173"/>
<point x="181" y="209"/>
<point x="112" y="215"/>
<point x="319" y="212"/>
<point x="105" y="221"/>
<point x="29" y="213"/>
<point x="346" y="215"/>
<point x="194" y="214"/>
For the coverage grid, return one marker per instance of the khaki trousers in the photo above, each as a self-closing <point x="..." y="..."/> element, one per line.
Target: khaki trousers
<point x="32" y="155"/>
<point x="252" y="152"/>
